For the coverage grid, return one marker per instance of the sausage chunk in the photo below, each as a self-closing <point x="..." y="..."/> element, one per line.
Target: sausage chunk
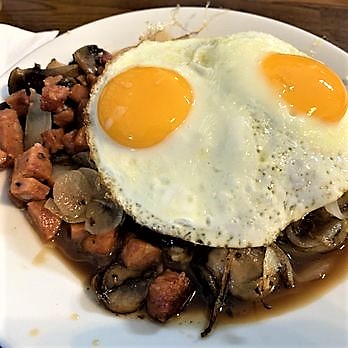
<point x="53" y="98"/>
<point x="19" y="101"/>
<point x="75" y="141"/>
<point x="78" y="93"/>
<point x="52" y="139"/>
<point x="28" y="189"/>
<point x="44" y="221"/>
<point x="139" y="255"/>
<point x="4" y="159"/>
<point x="11" y="135"/>
<point x="33" y="163"/>
<point x="64" y="118"/>
<point x="101" y="244"/>
<point x="168" y="294"/>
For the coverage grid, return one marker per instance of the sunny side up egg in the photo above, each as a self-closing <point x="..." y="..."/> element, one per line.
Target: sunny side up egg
<point x="220" y="141"/>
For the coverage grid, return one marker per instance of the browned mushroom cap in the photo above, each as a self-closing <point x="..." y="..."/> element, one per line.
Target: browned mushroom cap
<point x="34" y="77"/>
<point x="121" y="290"/>
<point x="316" y="237"/>
<point x="88" y="58"/>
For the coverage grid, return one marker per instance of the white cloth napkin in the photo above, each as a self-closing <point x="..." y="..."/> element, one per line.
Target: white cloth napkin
<point x="16" y="43"/>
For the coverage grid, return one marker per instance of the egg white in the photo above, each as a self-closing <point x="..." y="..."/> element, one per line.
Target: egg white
<point x="240" y="168"/>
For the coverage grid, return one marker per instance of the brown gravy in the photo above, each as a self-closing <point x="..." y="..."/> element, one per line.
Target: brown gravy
<point x="196" y="312"/>
<point x="283" y="301"/>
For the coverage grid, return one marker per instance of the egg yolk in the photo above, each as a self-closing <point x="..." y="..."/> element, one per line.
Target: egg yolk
<point x="308" y="87"/>
<point x="141" y="106"/>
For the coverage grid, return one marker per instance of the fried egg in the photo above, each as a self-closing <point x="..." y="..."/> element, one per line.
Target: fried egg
<point x="220" y="141"/>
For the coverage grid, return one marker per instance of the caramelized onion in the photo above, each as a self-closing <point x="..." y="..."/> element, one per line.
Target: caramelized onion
<point x="102" y="217"/>
<point x="37" y="121"/>
<point x="334" y="209"/>
<point x="71" y="193"/>
<point x="94" y="180"/>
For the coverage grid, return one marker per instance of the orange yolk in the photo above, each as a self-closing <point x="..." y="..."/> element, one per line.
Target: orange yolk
<point x="307" y="86"/>
<point x="141" y="106"/>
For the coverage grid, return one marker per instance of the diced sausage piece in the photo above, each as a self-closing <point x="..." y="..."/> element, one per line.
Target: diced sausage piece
<point x="64" y="118"/>
<point x="78" y="231"/>
<point x="91" y="79"/>
<point x="52" y="80"/>
<point x="53" y="98"/>
<point x="82" y="80"/>
<point x="167" y="295"/>
<point x="139" y="255"/>
<point x="28" y="189"/>
<point x="45" y="223"/>
<point x="11" y="134"/>
<point x="106" y="57"/>
<point x="101" y="244"/>
<point x="80" y="111"/>
<point x="81" y="140"/>
<point x="16" y="202"/>
<point x="19" y="101"/>
<point x="33" y="163"/>
<point x="52" y="139"/>
<point x="75" y="141"/>
<point x="68" y="141"/>
<point x="78" y="92"/>
<point x="4" y="159"/>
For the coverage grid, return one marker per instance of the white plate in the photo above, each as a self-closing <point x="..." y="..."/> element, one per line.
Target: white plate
<point x="39" y="300"/>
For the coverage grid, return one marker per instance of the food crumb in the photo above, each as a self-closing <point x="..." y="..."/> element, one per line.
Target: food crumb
<point x="74" y="316"/>
<point x="95" y="342"/>
<point x="34" y="332"/>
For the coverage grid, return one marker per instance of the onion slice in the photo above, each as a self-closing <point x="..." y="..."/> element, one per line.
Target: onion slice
<point x="72" y="193"/>
<point x="37" y="121"/>
<point x="334" y="209"/>
<point x="102" y="217"/>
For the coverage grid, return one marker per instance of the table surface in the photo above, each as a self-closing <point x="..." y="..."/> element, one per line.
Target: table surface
<point x="325" y="18"/>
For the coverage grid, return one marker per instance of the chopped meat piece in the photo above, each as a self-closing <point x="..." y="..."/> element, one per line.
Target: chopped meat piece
<point x="102" y="244"/>
<point x="68" y="141"/>
<point x="64" y="118"/>
<point x="80" y="111"/>
<point x="91" y="79"/>
<point x="167" y="295"/>
<point x="75" y="141"/>
<point x="106" y="57"/>
<point x="81" y="140"/>
<point x="78" y="231"/>
<point x="4" y="159"/>
<point x="53" y="139"/>
<point x="52" y="80"/>
<point x="28" y="189"/>
<point x="19" y="101"/>
<point x="16" y="202"/>
<point x="44" y="221"/>
<point x="78" y="92"/>
<point x="11" y="134"/>
<point x="82" y="80"/>
<point x="140" y="255"/>
<point x="53" y="98"/>
<point x="33" y="163"/>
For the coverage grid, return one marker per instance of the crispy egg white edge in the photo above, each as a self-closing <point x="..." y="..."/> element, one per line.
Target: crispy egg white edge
<point x="182" y="231"/>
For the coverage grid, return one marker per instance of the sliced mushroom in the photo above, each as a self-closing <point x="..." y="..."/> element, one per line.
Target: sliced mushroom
<point x="116" y="274"/>
<point x="276" y="266"/>
<point x="86" y="58"/>
<point x="34" y="77"/>
<point x="126" y="298"/>
<point x="319" y="238"/>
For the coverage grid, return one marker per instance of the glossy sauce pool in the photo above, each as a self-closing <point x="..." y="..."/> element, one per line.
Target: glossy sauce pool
<point x="196" y="313"/>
